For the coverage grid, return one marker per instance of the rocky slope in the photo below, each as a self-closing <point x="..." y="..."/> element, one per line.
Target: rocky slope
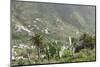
<point x="57" y="21"/>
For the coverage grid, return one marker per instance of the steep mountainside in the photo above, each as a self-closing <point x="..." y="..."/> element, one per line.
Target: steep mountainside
<point x="55" y="20"/>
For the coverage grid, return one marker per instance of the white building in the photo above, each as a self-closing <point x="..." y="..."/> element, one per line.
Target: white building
<point x="46" y="31"/>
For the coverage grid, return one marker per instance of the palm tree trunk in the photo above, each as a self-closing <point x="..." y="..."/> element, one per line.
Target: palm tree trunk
<point x="38" y="49"/>
<point x="29" y="59"/>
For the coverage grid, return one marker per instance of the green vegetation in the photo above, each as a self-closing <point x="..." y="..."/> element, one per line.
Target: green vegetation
<point x="49" y="51"/>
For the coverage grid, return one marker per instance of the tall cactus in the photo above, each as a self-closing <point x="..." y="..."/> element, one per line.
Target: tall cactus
<point x="72" y="44"/>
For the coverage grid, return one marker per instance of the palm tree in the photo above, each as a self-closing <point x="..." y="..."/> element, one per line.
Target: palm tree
<point x="38" y="42"/>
